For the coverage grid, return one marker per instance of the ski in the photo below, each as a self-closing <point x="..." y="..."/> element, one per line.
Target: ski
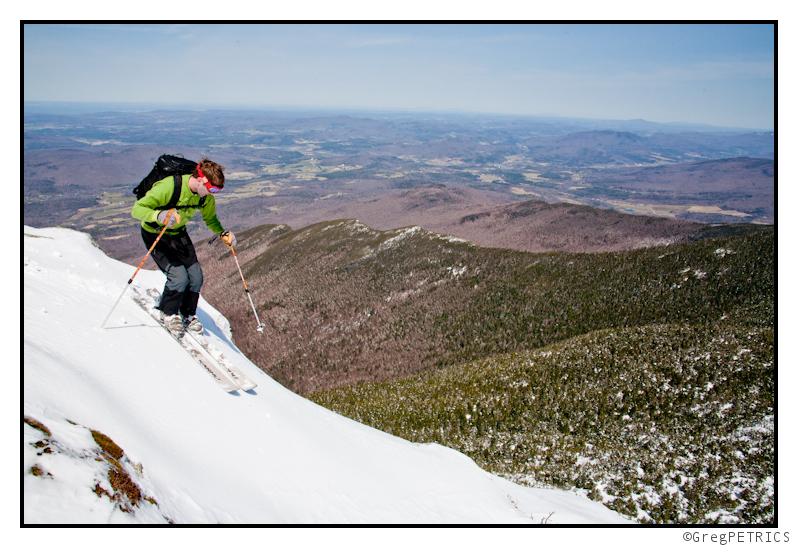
<point x="208" y="364"/>
<point x="213" y="353"/>
<point x="238" y="376"/>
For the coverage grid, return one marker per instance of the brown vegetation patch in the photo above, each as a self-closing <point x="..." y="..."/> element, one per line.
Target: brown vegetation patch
<point x="123" y="485"/>
<point x="37" y="425"/>
<point x="126" y="492"/>
<point x="38" y="472"/>
<point x="99" y="491"/>
<point x="107" y="444"/>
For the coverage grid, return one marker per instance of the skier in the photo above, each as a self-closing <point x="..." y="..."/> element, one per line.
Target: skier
<point x="174" y="254"/>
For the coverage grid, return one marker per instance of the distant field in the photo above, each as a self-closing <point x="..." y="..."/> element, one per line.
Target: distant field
<point x="676" y="211"/>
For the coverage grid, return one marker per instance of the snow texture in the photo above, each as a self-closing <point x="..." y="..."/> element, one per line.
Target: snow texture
<point x="203" y="456"/>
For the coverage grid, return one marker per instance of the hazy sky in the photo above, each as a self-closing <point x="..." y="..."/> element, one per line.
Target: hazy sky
<point x="713" y="74"/>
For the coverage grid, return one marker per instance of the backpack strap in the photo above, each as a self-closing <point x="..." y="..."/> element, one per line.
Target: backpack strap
<point x="178" y="180"/>
<point x="176" y="194"/>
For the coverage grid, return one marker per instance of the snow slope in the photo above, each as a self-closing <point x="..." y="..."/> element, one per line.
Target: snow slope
<point x="206" y="456"/>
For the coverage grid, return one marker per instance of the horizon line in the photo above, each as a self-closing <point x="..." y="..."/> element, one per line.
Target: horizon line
<point x="150" y="106"/>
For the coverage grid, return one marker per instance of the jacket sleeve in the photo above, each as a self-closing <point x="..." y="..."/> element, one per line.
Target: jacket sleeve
<point x="160" y="194"/>
<point x="209" y="215"/>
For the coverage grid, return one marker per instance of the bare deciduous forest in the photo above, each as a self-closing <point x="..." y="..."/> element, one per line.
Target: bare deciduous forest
<point x="344" y="303"/>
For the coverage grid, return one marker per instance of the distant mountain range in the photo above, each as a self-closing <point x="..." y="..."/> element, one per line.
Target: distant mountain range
<point x="606" y="147"/>
<point x="456" y="117"/>
<point x="531" y="225"/>
<point x="300" y="169"/>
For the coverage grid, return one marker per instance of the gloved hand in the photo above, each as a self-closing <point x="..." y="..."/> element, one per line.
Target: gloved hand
<point x="173" y="220"/>
<point x="229" y="238"/>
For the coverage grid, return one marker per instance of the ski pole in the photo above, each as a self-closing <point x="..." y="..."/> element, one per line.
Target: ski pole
<point x="261" y="326"/>
<point x="166" y="223"/>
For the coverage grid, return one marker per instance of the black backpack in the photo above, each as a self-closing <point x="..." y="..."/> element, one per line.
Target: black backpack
<point x="165" y="166"/>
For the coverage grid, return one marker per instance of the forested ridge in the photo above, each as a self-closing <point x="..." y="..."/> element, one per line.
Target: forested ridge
<point x="344" y="303"/>
<point x="643" y="378"/>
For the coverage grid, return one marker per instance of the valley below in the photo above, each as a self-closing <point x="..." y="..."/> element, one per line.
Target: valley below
<point x="571" y="303"/>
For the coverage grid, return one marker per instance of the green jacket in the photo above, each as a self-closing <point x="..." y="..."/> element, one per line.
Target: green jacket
<point x="161" y="193"/>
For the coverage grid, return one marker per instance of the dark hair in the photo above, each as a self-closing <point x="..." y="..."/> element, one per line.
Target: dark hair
<point x="212" y="170"/>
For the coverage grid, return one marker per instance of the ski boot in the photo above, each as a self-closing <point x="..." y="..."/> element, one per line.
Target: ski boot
<point x="192" y="324"/>
<point x="173" y="323"/>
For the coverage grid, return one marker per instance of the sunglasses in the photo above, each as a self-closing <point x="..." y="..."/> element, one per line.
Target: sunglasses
<point x="204" y="180"/>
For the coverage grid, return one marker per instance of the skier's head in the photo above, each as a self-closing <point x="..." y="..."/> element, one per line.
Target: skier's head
<point x="212" y="171"/>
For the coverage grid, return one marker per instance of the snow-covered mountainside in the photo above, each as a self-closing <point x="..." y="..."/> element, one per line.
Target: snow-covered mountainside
<point x="122" y="426"/>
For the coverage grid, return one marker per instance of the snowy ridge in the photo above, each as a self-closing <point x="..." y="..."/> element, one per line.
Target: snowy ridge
<point x="195" y="454"/>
